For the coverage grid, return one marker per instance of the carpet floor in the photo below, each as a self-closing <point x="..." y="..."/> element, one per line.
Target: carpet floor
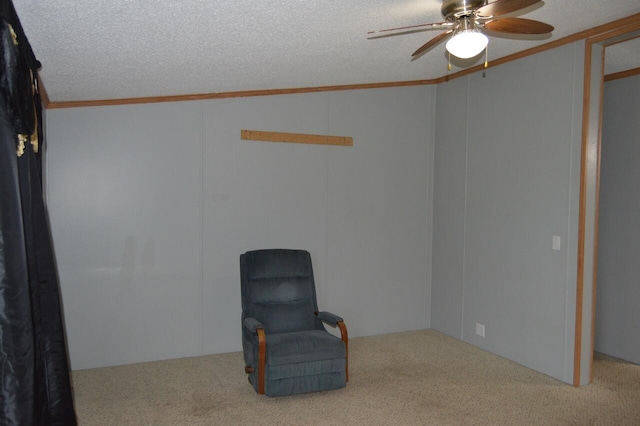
<point x="412" y="378"/>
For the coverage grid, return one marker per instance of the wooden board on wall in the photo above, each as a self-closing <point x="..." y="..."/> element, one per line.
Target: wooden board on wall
<point x="256" y="135"/>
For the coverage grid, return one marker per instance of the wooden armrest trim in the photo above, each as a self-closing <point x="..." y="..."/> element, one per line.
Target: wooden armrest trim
<point x="262" y="359"/>
<point x="345" y="339"/>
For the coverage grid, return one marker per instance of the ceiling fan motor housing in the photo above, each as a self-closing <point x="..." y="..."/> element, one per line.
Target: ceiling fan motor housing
<point x="452" y="9"/>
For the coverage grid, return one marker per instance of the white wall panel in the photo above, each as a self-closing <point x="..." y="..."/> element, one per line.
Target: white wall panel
<point x="515" y="133"/>
<point x="449" y="208"/>
<point x="123" y="197"/>
<point x="152" y="205"/>
<point x="377" y="255"/>
<point x="258" y="195"/>
<point x="618" y="292"/>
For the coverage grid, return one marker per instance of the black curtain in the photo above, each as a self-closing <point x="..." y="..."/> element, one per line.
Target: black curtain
<point x="36" y="388"/>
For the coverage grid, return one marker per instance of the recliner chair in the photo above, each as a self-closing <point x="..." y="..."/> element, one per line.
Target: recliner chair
<point x="286" y="348"/>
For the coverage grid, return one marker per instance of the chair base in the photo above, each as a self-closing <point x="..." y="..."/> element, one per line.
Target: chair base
<point x="306" y="384"/>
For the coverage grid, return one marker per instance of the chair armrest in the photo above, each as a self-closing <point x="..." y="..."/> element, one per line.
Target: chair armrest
<point x="329" y="318"/>
<point x="256" y="327"/>
<point x="252" y="324"/>
<point x="335" y="321"/>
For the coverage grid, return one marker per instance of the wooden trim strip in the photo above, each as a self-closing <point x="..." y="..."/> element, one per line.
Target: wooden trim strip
<point x="345" y="339"/>
<point x="617" y="34"/>
<point x="622" y="74"/>
<point x="577" y="346"/>
<point x="239" y="94"/>
<point x="256" y="135"/>
<point x="623" y="39"/>
<point x="596" y="232"/>
<point x="270" y="92"/>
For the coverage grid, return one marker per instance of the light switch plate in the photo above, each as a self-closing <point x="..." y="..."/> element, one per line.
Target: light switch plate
<point x="556" y="242"/>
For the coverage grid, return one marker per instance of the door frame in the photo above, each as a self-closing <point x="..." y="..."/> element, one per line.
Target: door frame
<point x="589" y="192"/>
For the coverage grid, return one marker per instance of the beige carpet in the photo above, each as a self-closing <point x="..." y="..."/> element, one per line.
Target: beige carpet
<point x="413" y="378"/>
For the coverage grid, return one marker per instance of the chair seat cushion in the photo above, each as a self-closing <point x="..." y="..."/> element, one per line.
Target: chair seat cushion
<point x="303" y="346"/>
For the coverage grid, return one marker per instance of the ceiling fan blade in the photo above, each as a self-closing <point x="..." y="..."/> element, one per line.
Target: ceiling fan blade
<point x="428" y="45"/>
<point x="503" y="7"/>
<point x="518" y="26"/>
<point x="409" y="29"/>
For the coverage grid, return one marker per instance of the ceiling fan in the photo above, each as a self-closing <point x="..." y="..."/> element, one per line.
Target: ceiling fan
<point x="466" y="19"/>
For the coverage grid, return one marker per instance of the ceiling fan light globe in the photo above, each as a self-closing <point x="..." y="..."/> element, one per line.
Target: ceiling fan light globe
<point x="467" y="44"/>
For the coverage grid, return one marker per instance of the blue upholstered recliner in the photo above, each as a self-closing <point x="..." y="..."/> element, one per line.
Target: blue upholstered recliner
<point x="287" y="350"/>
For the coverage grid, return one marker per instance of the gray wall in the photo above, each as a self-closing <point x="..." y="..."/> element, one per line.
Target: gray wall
<point x="151" y="205"/>
<point x="618" y="285"/>
<point x="506" y="181"/>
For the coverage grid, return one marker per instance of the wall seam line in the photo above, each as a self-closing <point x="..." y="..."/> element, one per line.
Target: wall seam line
<point x="201" y="225"/>
<point x="326" y="204"/>
<point x="464" y="222"/>
<point x="430" y="193"/>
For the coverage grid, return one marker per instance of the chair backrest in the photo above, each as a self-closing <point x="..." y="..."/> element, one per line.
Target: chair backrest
<point x="278" y="290"/>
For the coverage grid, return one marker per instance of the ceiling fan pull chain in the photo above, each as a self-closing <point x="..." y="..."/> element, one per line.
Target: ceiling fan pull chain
<point x="486" y="61"/>
<point x="449" y="64"/>
<point x="486" y="56"/>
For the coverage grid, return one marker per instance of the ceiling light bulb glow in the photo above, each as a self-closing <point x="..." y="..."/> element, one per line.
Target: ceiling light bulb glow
<point x="467" y="44"/>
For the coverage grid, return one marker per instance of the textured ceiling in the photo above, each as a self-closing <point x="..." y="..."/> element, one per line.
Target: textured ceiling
<point x="96" y="49"/>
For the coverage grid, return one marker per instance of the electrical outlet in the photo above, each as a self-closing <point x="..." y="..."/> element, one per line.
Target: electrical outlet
<point x="480" y="329"/>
